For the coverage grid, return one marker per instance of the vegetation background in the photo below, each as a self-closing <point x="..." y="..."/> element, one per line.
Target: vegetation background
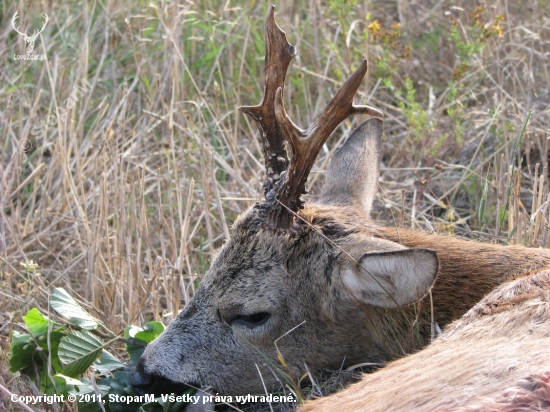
<point x="125" y="201"/>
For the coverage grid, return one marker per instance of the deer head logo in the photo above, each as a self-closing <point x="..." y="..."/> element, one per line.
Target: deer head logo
<point x="29" y="39"/>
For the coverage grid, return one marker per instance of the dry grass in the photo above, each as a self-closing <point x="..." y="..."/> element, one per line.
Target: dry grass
<point x="124" y="203"/>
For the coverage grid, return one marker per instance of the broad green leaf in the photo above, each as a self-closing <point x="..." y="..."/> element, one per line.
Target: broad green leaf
<point x="88" y="387"/>
<point x="89" y="403"/>
<point x="47" y="387"/>
<point x="106" y="363"/>
<point x="36" y="322"/>
<point x="67" y="307"/>
<point x="131" y="330"/>
<point x="66" y="380"/>
<point x="77" y="352"/>
<point x="151" y="331"/>
<point x="55" y="339"/>
<point x="119" y="384"/>
<point x="156" y="406"/>
<point x="90" y="406"/>
<point x="65" y="384"/>
<point x="135" y="351"/>
<point x="22" y="351"/>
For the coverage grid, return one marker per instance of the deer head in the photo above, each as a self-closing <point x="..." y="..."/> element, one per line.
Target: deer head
<point x="29" y="39"/>
<point x="320" y="271"/>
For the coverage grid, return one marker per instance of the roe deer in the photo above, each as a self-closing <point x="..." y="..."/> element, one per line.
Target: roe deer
<point x="347" y="282"/>
<point x="496" y="358"/>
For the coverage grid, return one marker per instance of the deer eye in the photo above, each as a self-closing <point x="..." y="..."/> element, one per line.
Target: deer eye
<point x="251" y="321"/>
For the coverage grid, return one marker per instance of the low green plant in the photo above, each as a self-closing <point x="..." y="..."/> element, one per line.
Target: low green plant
<point x="417" y="117"/>
<point x="468" y="42"/>
<point x="71" y="358"/>
<point x="474" y="42"/>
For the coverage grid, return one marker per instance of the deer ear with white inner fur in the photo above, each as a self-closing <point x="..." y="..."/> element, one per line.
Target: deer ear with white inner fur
<point x="392" y="279"/>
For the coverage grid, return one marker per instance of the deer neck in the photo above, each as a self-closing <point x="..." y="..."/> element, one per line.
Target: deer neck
<point x="468" y="270"/>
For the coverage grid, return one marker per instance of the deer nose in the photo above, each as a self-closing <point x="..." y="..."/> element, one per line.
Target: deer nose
<point x="141" y="381"/>
<point x="146" y="383"/>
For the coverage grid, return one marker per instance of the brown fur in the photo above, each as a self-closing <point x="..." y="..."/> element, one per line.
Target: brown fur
<point x="496" y="358"/>
<point x="528" y="394"/>
<point x="291" y="294"/>
<point x="468" y="270"/>
<point x="344" y="287"/>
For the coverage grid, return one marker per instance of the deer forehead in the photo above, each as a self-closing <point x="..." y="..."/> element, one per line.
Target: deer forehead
<point x="255" y="258"/>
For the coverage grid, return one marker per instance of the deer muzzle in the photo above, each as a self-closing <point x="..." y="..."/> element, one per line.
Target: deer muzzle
<point x="146" y="383"/>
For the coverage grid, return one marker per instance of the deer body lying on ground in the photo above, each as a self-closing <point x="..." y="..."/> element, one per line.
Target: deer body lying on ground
<point x="345" y="288"/>
<point x="496" y="358"/>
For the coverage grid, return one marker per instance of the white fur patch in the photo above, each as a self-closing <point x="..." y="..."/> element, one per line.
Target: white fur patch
<point x="392" y="279"/>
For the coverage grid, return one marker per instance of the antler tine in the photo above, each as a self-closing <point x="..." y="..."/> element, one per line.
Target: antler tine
<point x="286" y="179"/>
<point x="279" y="53"/>
<point x="13" y="22"/>
<point x="37" y="32"/>
<point x="46" y="20"/>
<point x="306" y="144"/>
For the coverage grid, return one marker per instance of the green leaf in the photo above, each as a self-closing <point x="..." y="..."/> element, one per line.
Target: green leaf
<point x="151" y="331"/>
<point x="106" y="363"/>
<point x="66" y="380"/>
<point x="135" y="351"/>
<point x="55" y="339"/>
<point x="91" y="405"/>
<point x="77" y="352"/>
<point x="65" y="384"/>
<point x="46" y="386"/>
<point x="36" y="322"/>
<point x="22" y="351"/>
<point x="67" y="307"/>
<point x="131" y="330"/>
<point x="119" y="384"/>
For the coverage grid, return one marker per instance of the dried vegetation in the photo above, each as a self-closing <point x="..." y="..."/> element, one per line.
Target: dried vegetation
<point x="124" y="201"/>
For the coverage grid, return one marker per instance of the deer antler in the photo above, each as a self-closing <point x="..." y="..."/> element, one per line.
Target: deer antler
<point x="286" y="180"/>
<point x="13" y="20"/>
<point x="46" y="20"/>
<point x="279" y="53"/>
<point x="37" y="32"/>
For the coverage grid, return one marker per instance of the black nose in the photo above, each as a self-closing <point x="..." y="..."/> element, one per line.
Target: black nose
<point x="146" y="383"/>
<point x="140" y="380"/>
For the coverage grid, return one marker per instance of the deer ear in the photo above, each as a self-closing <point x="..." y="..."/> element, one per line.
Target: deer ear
<point x="352" y="174"/>
<point x="392" y="279"/>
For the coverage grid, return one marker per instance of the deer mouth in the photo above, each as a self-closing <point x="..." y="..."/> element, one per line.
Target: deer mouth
<point x="144" y="383"/>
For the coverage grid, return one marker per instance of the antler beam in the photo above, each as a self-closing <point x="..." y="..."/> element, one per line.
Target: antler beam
<point x="13" y="23"/>
<point x="286" y="179"/>
<point x="279" y="53"/>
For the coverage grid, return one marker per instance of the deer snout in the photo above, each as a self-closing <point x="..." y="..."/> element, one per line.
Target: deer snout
<point x="146" y="383"/>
